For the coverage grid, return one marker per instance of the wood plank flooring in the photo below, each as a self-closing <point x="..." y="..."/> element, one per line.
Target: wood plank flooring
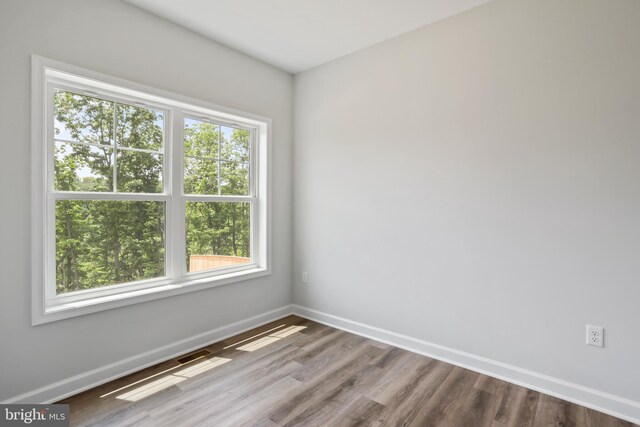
<point x="295" y="372"/>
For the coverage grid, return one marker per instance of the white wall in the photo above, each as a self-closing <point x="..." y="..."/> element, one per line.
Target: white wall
<point x="115" y="38"/>
<point x="476" y="184"/>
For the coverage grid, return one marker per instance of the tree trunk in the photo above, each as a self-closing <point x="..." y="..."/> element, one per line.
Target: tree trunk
<point x="233" y="231"/>
<point x="74" y="258"/>
<point x="116" y="258"/>
<point x="63" y="271"/>
<point x="74" y="262"/>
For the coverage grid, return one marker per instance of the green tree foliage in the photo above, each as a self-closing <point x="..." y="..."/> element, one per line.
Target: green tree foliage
<point x="104" y="147"/>
<point x="216" y="162"/>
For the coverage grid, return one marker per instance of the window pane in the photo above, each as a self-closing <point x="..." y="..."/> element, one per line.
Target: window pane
<point x="234" y="179"/>
<point x="200" y="176"/>
<point x="83" y="168"/>
<point x="102" y="243"/>
<point x="139" y="172"/>
<point x="139" y="127"/>
<point x="235" y="145"/>
<point x="201" y="139"/>
<point x="218" y="235"/>
<point x="83" y="118"/>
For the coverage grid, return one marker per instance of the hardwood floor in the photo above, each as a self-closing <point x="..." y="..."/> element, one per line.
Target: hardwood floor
<point x="295" y="372"/>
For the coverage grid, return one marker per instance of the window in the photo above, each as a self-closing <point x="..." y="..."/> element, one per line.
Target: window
<point x="139" y="194"/>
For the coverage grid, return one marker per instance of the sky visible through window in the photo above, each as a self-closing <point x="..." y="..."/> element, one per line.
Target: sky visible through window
<point x="62" y="133"/>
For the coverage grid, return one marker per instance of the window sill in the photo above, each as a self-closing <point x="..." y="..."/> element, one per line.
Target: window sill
<point x="52" y="313"/>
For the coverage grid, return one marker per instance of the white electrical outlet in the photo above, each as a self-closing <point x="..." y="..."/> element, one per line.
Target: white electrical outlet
<point x="305" y="277"/>
<point x="595" y="336"/>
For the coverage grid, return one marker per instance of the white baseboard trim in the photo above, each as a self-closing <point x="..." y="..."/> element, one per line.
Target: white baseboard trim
<point x="600" y="401"/>
<point x="87" y="380"/>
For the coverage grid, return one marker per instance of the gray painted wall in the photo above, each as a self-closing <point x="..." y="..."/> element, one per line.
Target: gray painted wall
<point x="475" y="184"/>
<point x="118" y="39"/>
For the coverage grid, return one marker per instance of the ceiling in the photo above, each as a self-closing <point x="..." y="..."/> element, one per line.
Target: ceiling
<point x="296" y="35"/>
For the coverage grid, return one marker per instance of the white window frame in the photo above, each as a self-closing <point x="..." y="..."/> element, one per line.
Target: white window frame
<point x="49" y="75"/>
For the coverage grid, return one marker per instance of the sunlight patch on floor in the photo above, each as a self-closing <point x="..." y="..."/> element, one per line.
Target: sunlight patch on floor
<point x="138" y="382"/>
<point x="271" y="338"/>
<point x="200" y="365"/>
<point x="288" y="331"/>
<point x="199" y="368"/>
<point x="150" y="388"/>
<point x="172" y="379"/>
<point x="254" y="336"/>
<point x="259" y="343"/>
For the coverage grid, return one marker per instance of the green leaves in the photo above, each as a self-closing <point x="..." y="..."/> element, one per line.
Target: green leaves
<point x="105" y="146"/>
<point x="139" y="172"/>
<point x="140" y="128"/>
<point x="218" y="228"/>
<point x="216" y="163"/>
<point x="234" y="179"/>
<point x="102" y="243"/>
<point x="98" y="149"/>
<point x="200" y="176"/>
<point x="201" y="139"/>
<point x="216" y="159"/>
<point x="236" y="147"/>
<point x="83" y="118"/>
<point x="83" y="167"/>
<point x="85" y="145"/>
